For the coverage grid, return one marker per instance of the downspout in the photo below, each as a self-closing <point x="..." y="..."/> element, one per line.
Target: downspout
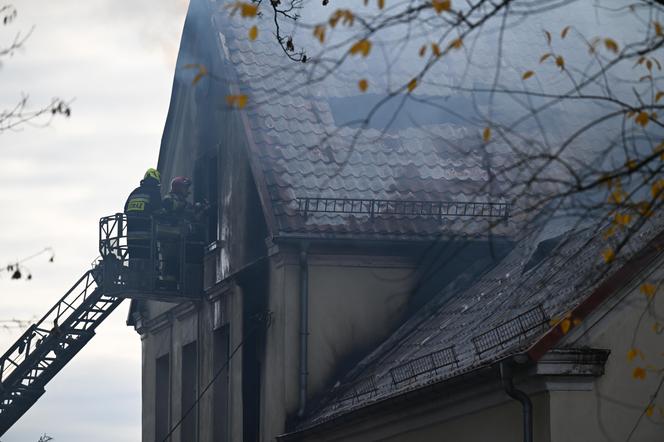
<point x="506" y="376"/>
<point x="304" y="327"/>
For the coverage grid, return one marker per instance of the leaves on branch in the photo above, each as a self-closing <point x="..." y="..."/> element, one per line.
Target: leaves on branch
<point x="441" y="5"/>
<point x="547" y="34"/>
<point x="642" y="118"/>
<point x="423" y="50"/>
<point x="456" y="44"/>
<point x="622" y="219"/>
<point x="435" y="49"/>
<point x="560" y="62"/>
<point x="611" y="45"/>
<point x="412" y="84"/>
<point x="381" y="4"/>
<point x="544" y="57"/>
<point x="564" y="32"/>
<point x="658" y="28"/>
<point x="362" y="47"/>
<point x="363" y="84"/>
<point x="526" y="75"/>
<point x="319" y="33"/>
<point x="345" y="15"/>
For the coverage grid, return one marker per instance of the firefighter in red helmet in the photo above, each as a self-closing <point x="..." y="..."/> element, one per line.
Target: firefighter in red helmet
<point x="184" y="214"/>
<point x="175" y="202"/>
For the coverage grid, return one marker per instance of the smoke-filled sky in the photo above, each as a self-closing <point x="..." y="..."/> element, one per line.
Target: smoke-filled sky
<point x="115" y="60"/>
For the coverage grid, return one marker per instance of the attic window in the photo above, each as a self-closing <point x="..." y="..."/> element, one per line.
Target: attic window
<point x="543" y="250"/>
<point x="412" y="112"/>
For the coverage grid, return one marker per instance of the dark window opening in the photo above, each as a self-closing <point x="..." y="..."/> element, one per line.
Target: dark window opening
<point x="188" y="394"/>
<point x="206" y="188"/>
<point x="162" y="397"/>
<point x="254" y="285"/>
<point x="220" y="391"/>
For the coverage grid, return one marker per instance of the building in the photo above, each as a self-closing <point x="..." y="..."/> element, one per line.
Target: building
<point x="346" y="298"/>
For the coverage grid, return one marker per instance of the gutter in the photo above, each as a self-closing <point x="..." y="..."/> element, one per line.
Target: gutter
<point x="506" y="376"/>
<point x="304" y="327"/>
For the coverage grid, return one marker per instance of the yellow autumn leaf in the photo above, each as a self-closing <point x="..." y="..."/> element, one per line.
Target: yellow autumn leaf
<point x="648" y="289"/>
<point x="631" y="354"/>
<point x="526" y="75"/>
<point x="486" y="134"/>
<point x="565" y="325"/>
<point x="609" y="255"/>
<point x="644" y="208"/>
<point x="609" y="232"/>
<point x="441" y="5"/>
<point x="631" y="165"/>
<point x="319" y="33"/>
<point x="238" y="101"/>
<point x="622" y="219"/>
<point x="456" y="44"/>
<point x="544" y="57"/>
<point x="611" y="45"/>
<point x="560" y="62"/>
<point x="202" y="72"/>
<point x="346" y="17"/>
<point x="564" y="32"/>
<point x="616" y="197"/>
<point x="363" y="84"/>
<point x="381" y="4"/>
<point x="658" y="28"/>
<point x="247" y="9"/>
<point x="253" y="32"/>
<point x="642" y="118"/>
<point x="658" y="96"/>
<point x="412" y="84"/>
<point x="650" y="409"/>
<point x="423" y="50"/>
<point x="657" y="188"/>
<point x="362" y="47"/>
<point x="435" y="49"/>
<point x="639" y="373"/>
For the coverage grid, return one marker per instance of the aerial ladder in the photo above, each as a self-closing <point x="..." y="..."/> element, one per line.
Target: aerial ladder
<point x="50" y="343"/>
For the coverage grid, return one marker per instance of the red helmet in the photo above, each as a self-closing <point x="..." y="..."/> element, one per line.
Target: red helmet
<point x="180" y="185"/>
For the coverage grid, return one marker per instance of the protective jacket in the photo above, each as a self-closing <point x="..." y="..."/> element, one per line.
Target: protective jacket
<point x="145" y="200"/>
<point x="178" y="206"/>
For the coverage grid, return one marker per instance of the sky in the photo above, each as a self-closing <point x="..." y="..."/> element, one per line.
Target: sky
<point x="114" y="60"/>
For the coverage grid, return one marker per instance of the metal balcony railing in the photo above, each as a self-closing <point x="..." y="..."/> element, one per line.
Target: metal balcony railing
<point x="153" y="257"/>
<point x="377" y="207"/>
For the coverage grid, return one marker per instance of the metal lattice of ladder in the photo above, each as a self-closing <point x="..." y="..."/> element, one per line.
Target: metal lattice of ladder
<point x="46" y="347"/>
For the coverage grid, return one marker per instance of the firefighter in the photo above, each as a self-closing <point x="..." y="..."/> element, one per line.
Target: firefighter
<point x="182" y="216"/>
<point x="142" y="203"/>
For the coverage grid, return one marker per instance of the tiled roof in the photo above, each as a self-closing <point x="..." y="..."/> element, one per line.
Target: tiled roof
<point x="505" y="312"/>
<point x="299" y="152"/>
